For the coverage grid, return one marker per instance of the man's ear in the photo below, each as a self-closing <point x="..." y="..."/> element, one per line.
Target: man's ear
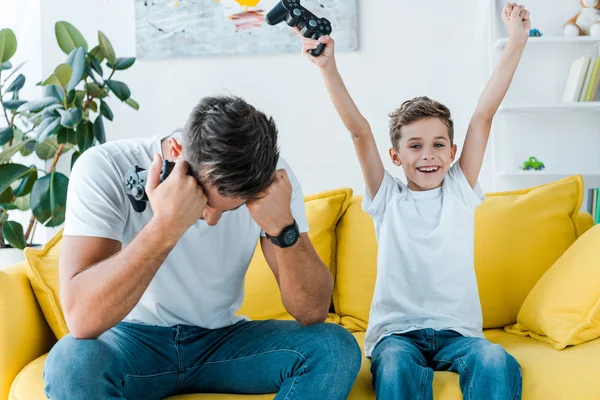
<point x="175" y="149"/>
<point x="395" y="157"/>
<point x="453" y="152"/>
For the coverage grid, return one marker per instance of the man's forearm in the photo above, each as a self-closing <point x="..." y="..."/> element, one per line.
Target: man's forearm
<point x="499" y="82"/>
<point x="99" y="297"/>
<point x="305" y="282"/>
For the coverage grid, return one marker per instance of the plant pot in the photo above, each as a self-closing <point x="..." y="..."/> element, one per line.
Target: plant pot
<point x="9" y="256"/>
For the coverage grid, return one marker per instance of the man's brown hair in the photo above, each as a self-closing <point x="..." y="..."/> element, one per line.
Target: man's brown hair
<point x="417" y="109"/>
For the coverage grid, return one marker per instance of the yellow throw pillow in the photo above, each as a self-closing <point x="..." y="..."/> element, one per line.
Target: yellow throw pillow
<point x="518" y="236"/>
<point x="563" y="308"/>
<point x="262" y="299"/>
<point x="42" y="269"/>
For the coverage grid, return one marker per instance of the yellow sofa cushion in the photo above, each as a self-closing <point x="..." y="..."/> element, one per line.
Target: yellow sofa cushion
<point x="518" y="236"/>
<point x="357" y="267"/>
<point x="42" y="269"/>
<point x="262" y="298"/>
<point x="563" y="308"/>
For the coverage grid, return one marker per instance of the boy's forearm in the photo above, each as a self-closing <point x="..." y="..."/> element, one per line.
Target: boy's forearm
<point x="499" y="82"/>
<point x="343" y="103"/>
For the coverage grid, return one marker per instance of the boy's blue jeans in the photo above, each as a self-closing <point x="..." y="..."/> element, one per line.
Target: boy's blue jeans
<point x="133" y="361"/>
<point x="403" y="366"/>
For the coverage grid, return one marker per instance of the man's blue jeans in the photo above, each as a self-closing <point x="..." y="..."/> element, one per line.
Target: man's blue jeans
<point x="403" y="366"/>
<point x="133" y="361"/>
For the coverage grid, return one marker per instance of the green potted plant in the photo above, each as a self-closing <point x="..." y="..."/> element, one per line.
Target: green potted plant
<point x="68" y="119"/>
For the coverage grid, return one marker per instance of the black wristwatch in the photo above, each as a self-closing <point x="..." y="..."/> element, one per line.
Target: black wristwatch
<point x="288" y="236"/>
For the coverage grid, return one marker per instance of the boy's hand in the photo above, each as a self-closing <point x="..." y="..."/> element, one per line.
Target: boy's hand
<point x="327" y="57"/>
<point x="272" y="211"/>
<point x="516" y="19"/>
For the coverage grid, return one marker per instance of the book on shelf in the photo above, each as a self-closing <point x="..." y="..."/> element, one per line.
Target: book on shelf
<point x="593" y="206"/>
<point x="583" y="81"/>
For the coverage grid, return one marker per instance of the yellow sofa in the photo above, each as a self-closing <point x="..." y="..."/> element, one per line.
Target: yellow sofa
<point x="573" y="373"/>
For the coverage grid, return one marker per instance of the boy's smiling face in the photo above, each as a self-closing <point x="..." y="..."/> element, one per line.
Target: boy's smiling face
<point x="425" y="152"/>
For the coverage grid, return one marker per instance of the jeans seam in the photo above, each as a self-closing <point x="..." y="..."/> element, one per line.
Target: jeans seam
<point x="255" y="355"/>
<point x="467" y="371"/>
<point x="518" y="392"/>
<point x="423" y="383"/>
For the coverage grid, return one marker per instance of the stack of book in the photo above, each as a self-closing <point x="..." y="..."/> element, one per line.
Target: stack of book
<point x="594" y="204"/>
<point x="583" y="80"/>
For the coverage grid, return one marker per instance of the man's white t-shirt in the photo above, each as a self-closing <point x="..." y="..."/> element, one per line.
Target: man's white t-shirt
<point x="425" y="264"/>
<point x="201" y="282"/>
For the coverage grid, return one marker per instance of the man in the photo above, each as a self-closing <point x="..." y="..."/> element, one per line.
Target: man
<point x="150" y="298"/>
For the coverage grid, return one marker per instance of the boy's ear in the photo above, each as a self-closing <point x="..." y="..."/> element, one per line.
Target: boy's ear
<point x="175" y="149"/>
<point x="453" y="152"/>
<point x="395" y="157"/>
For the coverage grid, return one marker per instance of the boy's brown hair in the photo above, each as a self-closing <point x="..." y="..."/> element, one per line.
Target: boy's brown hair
<point x="415" y="110"/>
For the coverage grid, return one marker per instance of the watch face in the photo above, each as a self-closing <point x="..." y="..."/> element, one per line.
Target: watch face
<point x="290" y="236"/>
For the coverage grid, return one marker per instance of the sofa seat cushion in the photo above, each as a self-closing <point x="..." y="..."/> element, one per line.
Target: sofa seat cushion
<point x="547" y="373"/>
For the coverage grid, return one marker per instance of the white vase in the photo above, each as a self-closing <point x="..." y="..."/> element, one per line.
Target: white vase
<point x="10" y="256"/>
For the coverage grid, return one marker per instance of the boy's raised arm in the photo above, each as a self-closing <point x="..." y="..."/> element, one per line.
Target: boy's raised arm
<point x="516" y="18"/>
<point x="364" y="142"/>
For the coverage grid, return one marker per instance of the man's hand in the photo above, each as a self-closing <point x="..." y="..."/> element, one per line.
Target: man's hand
<point x="516" y="19"/>
<point x="179" y="201"/>
<point x="327" y="58"/>
<point x="272" y="211"/>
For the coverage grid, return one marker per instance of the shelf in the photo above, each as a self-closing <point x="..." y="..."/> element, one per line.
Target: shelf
<point x="528" y="174"/>
<point x="578" y="106"/>
<point x="554" y="40"/>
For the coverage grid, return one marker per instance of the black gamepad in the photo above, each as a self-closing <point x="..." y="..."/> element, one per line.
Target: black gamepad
<point x="135" y="183"/>
<point x="294" y="14"/>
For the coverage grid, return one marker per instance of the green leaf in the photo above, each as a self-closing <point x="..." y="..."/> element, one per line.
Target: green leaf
<point x="47" y="129"/>
<point x="71" y="117"/>
<point x="13" y="233"/>
<point x="122" y="63"/>
<point x="8" y="207"/>
<point x="98" y="55"/>
<point x="66" y="136"/>
<point x="37" y="105"/>
<point x="5" y="65"/>
<point x="7" y="196"/>
<point x="119" y="89"/>
<point x="93" y="106"/>
<point x="63" y="72"/>
<point x="6" y="135"/>
<point x="12" y="150"/>
<point x="8" y="44"/>
<point x="13" y="104"/>
<point x="17" y="84"/>
<point x="132" y="103"/>
<point x="28" y="148"/>
<point x="105" y="110"/>
<point x="95" y="91"/>
<point x="49" y="199"/>
<point x="26" y="184"/>
<point x="95" y="64"/>
<point x="51" y="80"/>
<point x="69" y="37"/>
<point x="54" y="91"/>
<point x="106" y="48"/>
<point x="47" y="149"/>
<point x="74" y="158"/>
<point x="22" y="203"/>
<point x="99" y="130"/>
<point x="85" y="136"/>
<point x="15" y="70"/>
<point x="53" y="111"/>
<point x="77" y="66"/>
<point x="10" y="173"/>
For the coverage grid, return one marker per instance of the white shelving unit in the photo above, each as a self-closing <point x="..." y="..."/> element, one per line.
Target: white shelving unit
<point x="533" y="120"/>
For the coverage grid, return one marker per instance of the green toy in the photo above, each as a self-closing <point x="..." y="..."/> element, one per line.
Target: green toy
<point x="533" y="163"/>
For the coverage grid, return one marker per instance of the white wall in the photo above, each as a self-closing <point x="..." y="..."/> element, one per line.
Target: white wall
<point x="407" y="48"/>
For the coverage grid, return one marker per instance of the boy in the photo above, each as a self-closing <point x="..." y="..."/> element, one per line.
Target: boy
<point x="426" y="313"/>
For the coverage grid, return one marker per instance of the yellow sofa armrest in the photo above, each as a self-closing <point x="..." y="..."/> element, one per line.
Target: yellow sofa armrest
<point x="584" y="222"/>
<point x="24" y="333"/>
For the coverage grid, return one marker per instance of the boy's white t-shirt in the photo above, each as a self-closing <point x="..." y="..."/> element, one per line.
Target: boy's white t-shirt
<point x="425" y="263"/>
<point x="201" y="282"/>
